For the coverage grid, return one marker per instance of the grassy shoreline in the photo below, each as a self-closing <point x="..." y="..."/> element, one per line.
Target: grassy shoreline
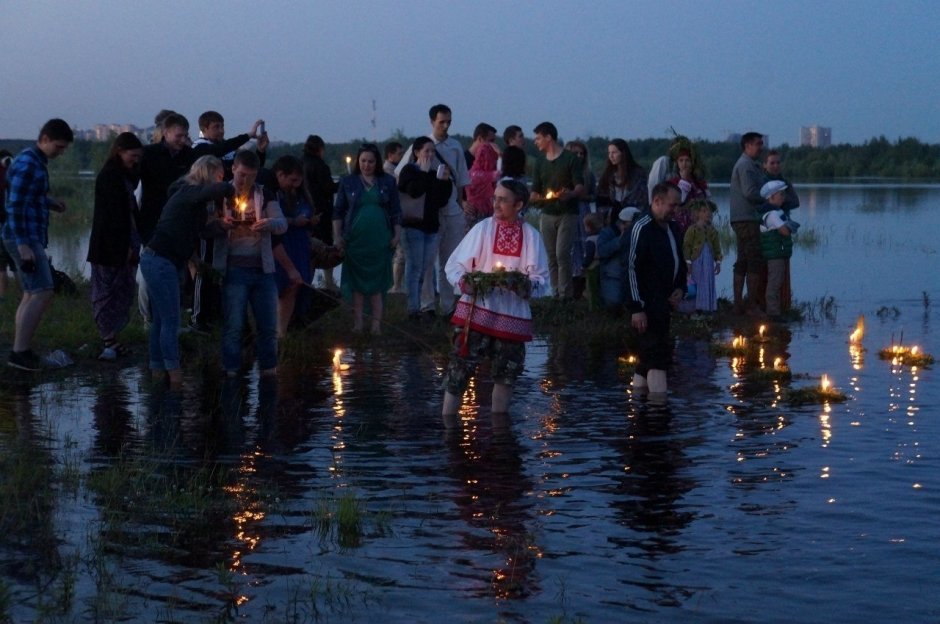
<point x="68" y="325"/>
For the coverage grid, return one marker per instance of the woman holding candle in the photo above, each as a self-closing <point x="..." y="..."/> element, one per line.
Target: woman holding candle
<point x="162" y="261"/>
<point x="367" y="226"/>
<point x="494" y="324"/>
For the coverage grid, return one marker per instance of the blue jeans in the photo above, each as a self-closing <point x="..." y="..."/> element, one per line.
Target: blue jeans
<point x="240" y="288"/>
<point x="163" y="286"/>
<point x="420" y="248"/>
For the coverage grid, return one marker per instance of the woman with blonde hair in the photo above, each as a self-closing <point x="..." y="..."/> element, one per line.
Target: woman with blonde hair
<point x="162" y="261"/>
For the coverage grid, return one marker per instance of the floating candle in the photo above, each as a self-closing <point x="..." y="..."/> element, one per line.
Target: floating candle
<point x="337" y="361"/>
<point x="856" y="336"/>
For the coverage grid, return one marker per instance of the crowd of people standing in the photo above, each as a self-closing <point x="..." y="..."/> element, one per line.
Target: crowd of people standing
<point x="207" y="216"/>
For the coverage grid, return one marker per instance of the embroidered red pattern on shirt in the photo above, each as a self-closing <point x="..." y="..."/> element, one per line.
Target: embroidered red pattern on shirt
<point x="508" y="239"/>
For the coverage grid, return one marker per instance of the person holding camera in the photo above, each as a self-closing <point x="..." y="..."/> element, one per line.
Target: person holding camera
<point x="26" y="234"/>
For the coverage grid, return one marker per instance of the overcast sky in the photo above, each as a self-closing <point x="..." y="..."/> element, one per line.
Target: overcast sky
<point x="606" y="67"/>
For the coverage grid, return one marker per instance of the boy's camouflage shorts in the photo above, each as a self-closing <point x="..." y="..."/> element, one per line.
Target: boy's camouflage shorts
<point x="507" y="359"/>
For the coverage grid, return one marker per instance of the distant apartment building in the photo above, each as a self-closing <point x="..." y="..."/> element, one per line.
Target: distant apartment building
<point x="106" y="132"/>
<point x="815" y="136"/>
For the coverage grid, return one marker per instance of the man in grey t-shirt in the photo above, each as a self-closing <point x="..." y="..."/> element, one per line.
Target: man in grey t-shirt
<point x="746" y="181"/>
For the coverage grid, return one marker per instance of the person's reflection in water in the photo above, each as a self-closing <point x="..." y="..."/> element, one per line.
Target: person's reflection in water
<point x="28" y="539"/>
<point x="489" y="471"/>
<point x="226" y="432"/>
<point x="113" y="420"/>
<point x="164" y="409"/>
<point x="652" y="482"/>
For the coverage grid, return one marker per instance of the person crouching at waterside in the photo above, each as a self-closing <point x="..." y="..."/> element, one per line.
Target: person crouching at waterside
<point x="498" y="265"/>
<point x="656" y="277"/>
<point x="172" y="243"/>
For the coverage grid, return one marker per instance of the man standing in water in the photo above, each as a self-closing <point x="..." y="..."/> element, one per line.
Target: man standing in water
<point x="448" y="154"/>
<point x="26" y="234"/>
<point x="749" y="266"/>
<point x="656" y="276"/>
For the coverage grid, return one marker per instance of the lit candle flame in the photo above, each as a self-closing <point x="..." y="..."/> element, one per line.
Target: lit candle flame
<point x="761" y="330"/>
<point x="856" y="336"/>
<point x="913" y="350"/>
<point x="739" y="342"/>
<point x="550" y="195"/>
<point x="824" y="384"/>
<point x="778" y="363"/>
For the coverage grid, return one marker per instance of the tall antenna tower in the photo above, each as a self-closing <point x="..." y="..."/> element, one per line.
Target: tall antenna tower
<point x="374" y="138"/>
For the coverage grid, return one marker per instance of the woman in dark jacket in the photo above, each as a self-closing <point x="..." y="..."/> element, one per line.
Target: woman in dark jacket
<point x="114" y="247"/>
<point x="623" y="182"/>
<point x="419" y="179"/>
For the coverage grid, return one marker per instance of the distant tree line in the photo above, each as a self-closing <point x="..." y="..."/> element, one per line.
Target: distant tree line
<point x="905" y="159"/>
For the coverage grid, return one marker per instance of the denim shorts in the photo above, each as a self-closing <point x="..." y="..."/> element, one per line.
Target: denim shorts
<point x="40" y="278"/>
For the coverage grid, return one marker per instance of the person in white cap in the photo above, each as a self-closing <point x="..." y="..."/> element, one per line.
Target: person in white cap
<point x="776" y="243"/>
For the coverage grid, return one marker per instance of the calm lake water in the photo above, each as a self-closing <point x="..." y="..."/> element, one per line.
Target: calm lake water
<point x="726" y="505"/>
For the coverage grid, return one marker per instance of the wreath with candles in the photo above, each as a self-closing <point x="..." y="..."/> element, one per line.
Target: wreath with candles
<point x="482" y="283"/>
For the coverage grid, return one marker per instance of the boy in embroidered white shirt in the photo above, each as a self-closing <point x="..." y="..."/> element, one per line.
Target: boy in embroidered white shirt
<point x="498" y="323"/>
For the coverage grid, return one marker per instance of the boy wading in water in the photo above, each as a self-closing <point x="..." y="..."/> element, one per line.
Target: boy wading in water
<point x="497" y="323"/>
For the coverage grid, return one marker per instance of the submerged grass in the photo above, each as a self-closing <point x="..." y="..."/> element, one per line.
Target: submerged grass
<point x="346" y="520"/>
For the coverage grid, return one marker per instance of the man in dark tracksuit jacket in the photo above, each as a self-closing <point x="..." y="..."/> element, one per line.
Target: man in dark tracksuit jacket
<point x="656" y="275"/>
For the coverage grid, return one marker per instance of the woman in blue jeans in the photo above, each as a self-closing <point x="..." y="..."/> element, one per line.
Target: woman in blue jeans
<point x="420" y="235"/>
<point x="192" y="200"/>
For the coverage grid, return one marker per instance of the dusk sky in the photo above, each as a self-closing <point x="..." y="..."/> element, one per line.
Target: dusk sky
<point x="611" y="68"/>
